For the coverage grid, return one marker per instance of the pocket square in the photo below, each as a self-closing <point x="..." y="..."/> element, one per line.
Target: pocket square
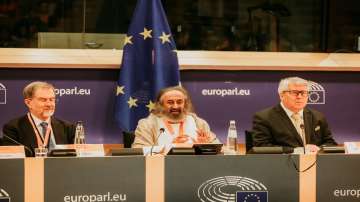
<point x="317" y="128"/>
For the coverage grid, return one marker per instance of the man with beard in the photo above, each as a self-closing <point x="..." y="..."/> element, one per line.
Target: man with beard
<point x="172" y="121"/>
<point x="291" y="123"/>
<point x="38" y="128"/>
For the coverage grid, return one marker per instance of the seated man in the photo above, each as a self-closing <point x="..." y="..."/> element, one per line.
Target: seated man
<point x="291" y="123"/>
<point x="38" y="127"/>
<point x="172" y="121"/>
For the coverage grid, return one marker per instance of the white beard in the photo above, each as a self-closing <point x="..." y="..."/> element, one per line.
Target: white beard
<point x="48" y="113"/>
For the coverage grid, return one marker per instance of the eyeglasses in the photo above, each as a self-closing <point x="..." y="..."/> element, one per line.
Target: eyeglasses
<point x="297" y="92"/>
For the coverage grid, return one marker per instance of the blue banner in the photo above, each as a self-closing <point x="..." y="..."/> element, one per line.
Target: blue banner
<point x="149" y="64"/>
<point x="218" y="96"/>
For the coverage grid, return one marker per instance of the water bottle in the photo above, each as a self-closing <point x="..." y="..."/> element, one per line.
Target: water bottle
<point x="232" y="138"/>
<point x="79" y="133"/>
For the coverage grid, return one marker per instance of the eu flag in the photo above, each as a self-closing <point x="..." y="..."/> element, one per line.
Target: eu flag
<point x="149" y="63"/>
<point x="252" y="196"/>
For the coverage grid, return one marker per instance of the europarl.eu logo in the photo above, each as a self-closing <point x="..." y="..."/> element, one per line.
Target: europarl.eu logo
<point x="232" y="189"/>
<point x="316" y="94"/>
<point x="2" y="94"/>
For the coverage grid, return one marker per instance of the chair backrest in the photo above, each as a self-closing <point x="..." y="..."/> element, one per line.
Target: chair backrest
<point x="128" y="138"/>
<point x="248" y="140"/>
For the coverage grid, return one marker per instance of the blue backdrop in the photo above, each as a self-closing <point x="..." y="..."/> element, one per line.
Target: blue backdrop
<point x="218" y="96"/>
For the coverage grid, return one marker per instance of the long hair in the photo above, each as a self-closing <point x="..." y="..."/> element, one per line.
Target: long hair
<point x="159" y="109"/>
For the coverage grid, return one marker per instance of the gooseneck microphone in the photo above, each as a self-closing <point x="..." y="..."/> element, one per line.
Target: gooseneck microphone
<point x="18" y="143"/>
<point x="303" y="138"/>
<point x="161" y="131"/>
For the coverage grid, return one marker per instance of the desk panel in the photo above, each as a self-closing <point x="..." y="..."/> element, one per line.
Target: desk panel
<point x="338" y="178"/>
<point x="225" y="178"/>
<point x="95" y="179"/>
<point x="12" y="180"/>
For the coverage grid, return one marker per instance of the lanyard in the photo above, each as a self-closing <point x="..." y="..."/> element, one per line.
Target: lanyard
<point x="171" y="129"/>
<point x="41" y="142"/>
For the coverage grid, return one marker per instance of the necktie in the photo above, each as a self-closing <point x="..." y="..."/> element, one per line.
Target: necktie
<point x="298" y="122"/>
<point x="44" y="126"/>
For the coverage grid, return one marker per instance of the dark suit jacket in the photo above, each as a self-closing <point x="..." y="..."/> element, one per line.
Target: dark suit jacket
<point x="272" y="127"/>
<point x="20" y="129"/>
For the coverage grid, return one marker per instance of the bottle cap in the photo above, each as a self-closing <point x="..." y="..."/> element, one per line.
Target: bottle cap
<point x="232" y="121"/>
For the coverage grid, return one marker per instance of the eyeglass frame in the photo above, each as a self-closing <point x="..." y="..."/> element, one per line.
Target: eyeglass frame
<point x="303" y="93"/>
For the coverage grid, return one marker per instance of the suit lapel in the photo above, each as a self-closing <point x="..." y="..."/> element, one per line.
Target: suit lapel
<point x="288" y="123"/>
<point x="56" y="131"/>
<point x="29" y="133"/>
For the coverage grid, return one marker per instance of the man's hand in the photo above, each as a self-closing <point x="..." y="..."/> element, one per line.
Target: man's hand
<point x="202" y="137"/>
<point x="181" y="139"/>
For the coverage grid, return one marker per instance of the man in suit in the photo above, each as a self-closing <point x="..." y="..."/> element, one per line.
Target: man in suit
<point x="38" y="127"/>
<point x="291" y="123"/>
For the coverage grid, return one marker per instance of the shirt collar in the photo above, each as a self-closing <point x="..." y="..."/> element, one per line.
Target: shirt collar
<point x="289" y="112"/>
<point x="38" y="121"/>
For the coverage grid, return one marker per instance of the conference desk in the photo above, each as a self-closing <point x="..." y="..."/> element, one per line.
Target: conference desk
<point x="183" y="178"/>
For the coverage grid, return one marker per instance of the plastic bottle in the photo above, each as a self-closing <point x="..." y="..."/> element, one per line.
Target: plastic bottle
<point x="79" y="133"/>
<point x="232" y="138"/>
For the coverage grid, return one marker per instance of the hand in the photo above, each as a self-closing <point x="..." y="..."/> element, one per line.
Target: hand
<point x="311" y="149"/>
<point x="202" y="137"/>
<point x="181" y="139"/>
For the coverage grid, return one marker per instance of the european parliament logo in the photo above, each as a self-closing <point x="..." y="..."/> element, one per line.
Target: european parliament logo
<point x="316" y="93"/>
<point x="4" y="196"/>
<point x="2" y="94"/>
<point x="232" y="189"/>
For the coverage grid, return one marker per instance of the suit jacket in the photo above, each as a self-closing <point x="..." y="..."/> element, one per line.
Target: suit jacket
<point x="20" y="129"/>
<point x="272" y="127"/>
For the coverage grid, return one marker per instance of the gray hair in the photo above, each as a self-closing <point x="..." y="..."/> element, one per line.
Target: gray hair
<point x="32" y="87"/>
<point x="284" y="83"/>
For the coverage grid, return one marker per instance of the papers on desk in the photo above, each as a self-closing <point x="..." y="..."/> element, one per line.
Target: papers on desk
<point x="12" y="152"/>
<point x="352" y="147"/>
<point x="299" y="150"/>
<point x="85" y="150"/>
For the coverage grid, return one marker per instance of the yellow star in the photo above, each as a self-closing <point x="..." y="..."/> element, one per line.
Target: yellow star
<point x="164" y="37"/>
<point x="132" y="102"/>
<point x="120" y="90"/>
<point x="146" y="33"/>
<point x="151" y="106"/>
<point x="128" y="40"/>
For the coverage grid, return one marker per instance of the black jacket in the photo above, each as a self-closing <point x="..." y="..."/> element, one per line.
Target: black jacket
<point x="272" y="127"/>
<point x="20" y="130"/>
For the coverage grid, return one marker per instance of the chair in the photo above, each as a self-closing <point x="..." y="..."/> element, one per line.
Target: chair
<point x="248" y="140"/>
<point x="128" y="138"/>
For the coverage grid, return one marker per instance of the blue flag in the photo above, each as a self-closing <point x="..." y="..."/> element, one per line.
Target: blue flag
<point x="149" y="64"/>
<point x="252" y="196"/>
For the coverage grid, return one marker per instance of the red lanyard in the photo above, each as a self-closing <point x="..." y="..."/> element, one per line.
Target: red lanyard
<point x="41" y="142"/>
<point x="171" y="129"/>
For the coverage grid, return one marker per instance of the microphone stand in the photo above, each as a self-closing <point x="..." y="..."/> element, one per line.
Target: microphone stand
<point x="18" y="143"/>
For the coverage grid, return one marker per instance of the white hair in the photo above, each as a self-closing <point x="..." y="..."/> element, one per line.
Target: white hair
<point x="284" y="83"/>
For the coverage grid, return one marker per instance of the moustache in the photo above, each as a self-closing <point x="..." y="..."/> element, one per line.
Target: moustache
<point x="175" y="110"/>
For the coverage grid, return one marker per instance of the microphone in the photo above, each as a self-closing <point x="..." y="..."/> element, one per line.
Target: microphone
<point x="161" y="131"/>
<point x="18" y="143"/>
<point x="302" y="127"/>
